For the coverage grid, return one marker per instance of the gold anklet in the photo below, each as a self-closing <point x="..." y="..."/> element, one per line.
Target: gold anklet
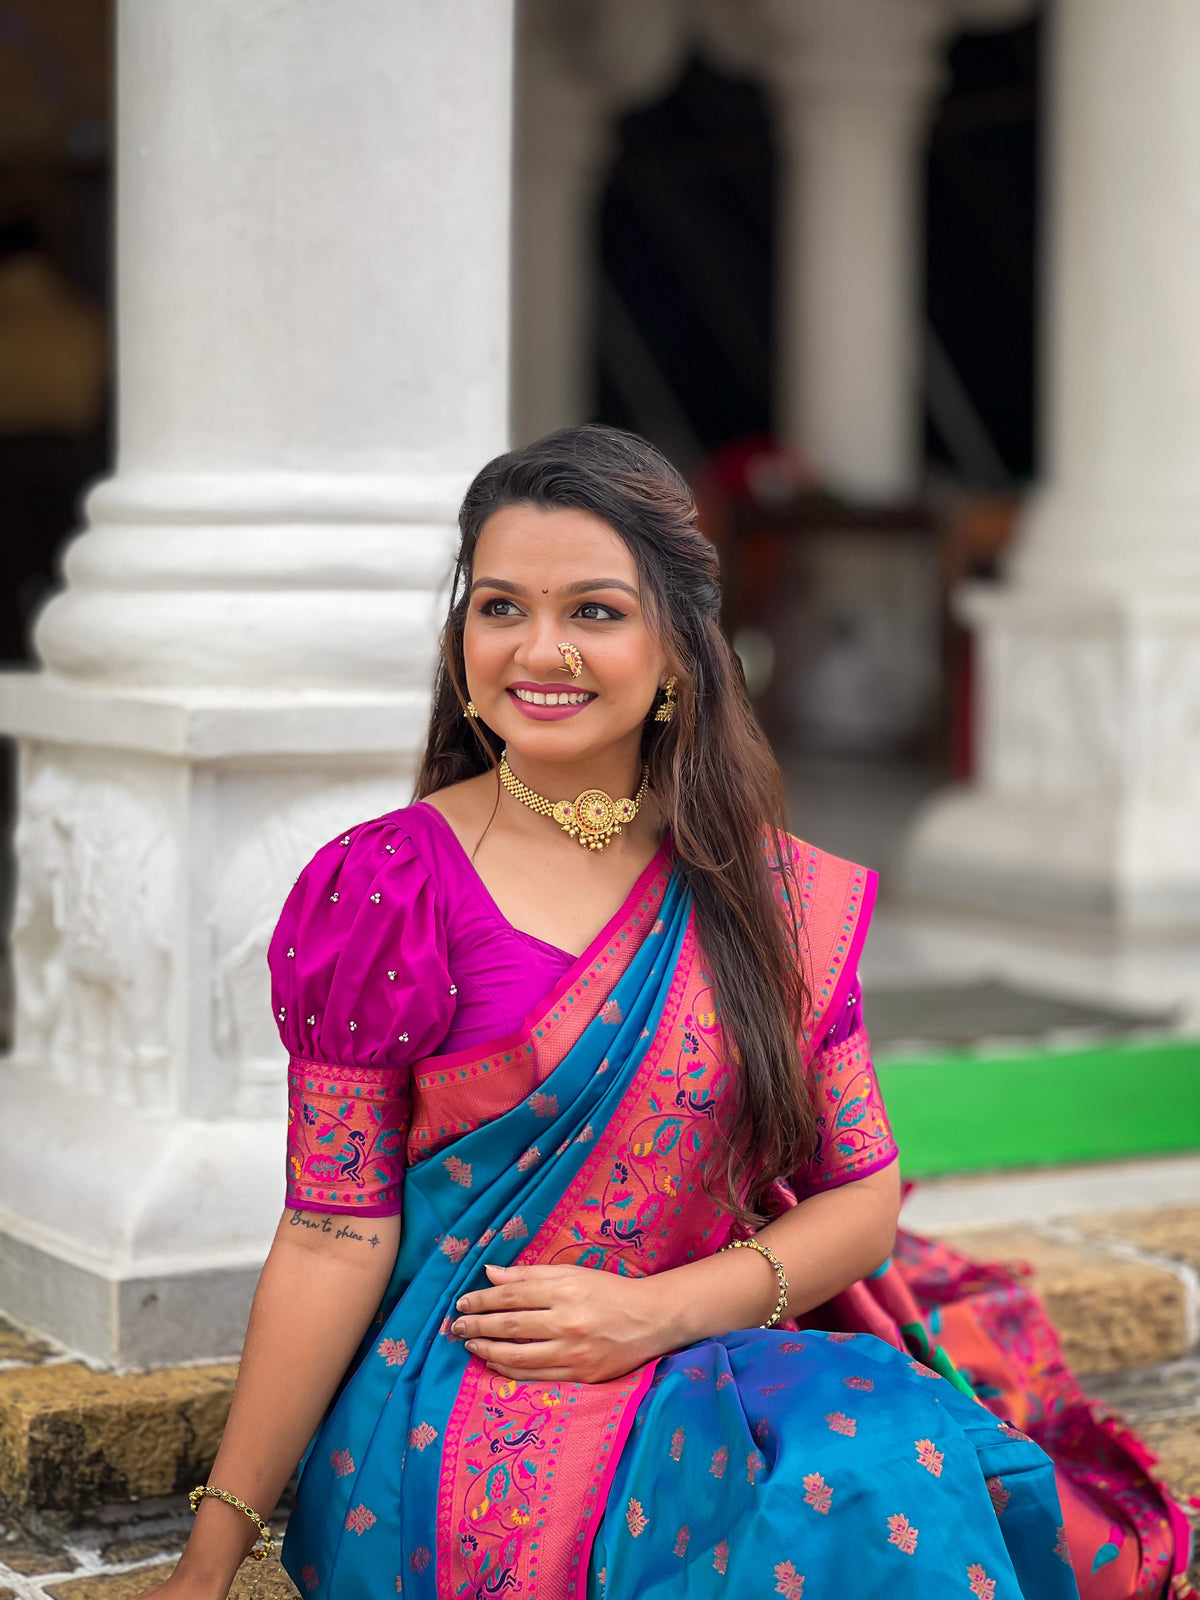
<point x="594" y="818"/>
<point x="764" y="1250"/>
<point x="202" y="1489"/>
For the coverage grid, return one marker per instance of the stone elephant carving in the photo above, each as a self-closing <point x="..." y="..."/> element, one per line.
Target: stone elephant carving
<point x="251" y="886"/>
<point x="91" y="933"/>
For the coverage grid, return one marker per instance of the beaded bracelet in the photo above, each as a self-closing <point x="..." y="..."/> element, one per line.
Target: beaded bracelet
<point x="202" y="1489"/>
<point x="764" y="1250"/>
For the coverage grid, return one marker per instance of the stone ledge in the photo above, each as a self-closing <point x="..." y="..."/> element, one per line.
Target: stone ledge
<point x="18" y="1345"/>
<point x="1111" y="1313"/>
<point x="31" y="1561"/>
<point x="1176" y="1443"/>
<point x="111" y="1585"/>
<point x="256" y="1580"/>
<point x="1157" y="1395"/>
<point x="124" y="1550"/>
<point x="1172" y="1231"/>
<point x="71" y="1438"/>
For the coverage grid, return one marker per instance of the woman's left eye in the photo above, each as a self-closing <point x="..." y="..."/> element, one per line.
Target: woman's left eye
<point x="593" y="611"/>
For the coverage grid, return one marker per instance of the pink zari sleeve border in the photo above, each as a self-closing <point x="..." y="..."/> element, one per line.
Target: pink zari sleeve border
<point x="836" y="898"/>
<point x="347" y="1128"/>
<point x="854" y="1136"/>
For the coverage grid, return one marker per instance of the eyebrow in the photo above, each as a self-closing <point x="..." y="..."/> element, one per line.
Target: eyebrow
<point x="587" y="586"/>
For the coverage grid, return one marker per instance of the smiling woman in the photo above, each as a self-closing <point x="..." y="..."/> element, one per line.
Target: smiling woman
<point x="510" y="627"/>
<point x="641" y="1299"/>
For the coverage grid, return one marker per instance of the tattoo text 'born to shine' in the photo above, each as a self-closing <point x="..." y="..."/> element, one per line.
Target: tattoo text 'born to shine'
<point x="301" y="1219"/>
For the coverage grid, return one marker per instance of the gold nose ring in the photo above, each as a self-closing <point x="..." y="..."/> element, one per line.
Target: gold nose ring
<point x="573" y="661"/>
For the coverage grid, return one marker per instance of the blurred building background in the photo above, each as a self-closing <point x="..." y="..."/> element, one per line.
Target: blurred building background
<point x="910" y="291"/>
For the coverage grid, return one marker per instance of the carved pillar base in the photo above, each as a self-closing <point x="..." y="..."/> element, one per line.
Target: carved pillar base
<point x="1084" y="812"/>
<point x="141" y="1146"/>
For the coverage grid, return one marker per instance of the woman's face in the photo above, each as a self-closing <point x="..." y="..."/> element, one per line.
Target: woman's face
<point x="545" y="577"/>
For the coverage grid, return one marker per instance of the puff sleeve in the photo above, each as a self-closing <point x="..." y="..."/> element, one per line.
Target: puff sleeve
<point x="361" y="990"/>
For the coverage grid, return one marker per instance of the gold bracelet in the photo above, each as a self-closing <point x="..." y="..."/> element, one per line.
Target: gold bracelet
<point x="764" y="1250"/>
<point x="202" y="1489"/>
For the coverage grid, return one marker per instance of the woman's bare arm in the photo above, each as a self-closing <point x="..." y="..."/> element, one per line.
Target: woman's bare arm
<point x="320" y="1287"/>
<point x="824" y="1244"/>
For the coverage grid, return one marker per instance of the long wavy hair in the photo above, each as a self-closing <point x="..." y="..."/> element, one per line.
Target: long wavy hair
<point x="712" y="772"/>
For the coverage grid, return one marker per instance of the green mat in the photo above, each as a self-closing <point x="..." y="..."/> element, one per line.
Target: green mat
<point x="975" y="1113"/>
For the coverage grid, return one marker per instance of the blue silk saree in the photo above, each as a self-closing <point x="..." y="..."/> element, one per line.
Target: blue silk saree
<point x="801" y="1462"/>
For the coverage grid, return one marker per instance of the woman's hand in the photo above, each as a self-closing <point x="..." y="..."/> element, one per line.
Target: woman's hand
<point x="564" y="1324"/>
<point x="580" y="1325"/>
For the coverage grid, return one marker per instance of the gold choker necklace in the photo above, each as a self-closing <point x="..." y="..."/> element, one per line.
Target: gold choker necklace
<point x="594" y="818"/>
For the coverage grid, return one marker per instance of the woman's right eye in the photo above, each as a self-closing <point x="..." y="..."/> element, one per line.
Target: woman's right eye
<point x="493" y="608"/>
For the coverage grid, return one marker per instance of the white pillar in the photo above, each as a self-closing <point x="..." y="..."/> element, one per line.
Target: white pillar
<point x="562" y="145"/>
<point x="1121" y="507"/>
<point x="578" y="67"/>
<point x="853" y="82"/>
<point x="312" y="280"/>
<point x="1089" y="692"/>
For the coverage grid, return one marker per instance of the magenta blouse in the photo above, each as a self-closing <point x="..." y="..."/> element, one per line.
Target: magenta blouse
<point x="390" y="949"/>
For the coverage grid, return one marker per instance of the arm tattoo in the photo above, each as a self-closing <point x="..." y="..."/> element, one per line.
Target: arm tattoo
<point x="324" y="1224"/>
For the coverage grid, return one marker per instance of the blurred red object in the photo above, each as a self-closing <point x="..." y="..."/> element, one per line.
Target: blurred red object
<point x="754" y="471"/>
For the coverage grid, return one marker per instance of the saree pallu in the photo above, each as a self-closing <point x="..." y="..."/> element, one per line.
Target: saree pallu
<point x="842" y="1459"/>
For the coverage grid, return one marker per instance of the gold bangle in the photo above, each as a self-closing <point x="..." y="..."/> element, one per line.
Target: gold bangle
<point x="765" y="1250"/>
<point x="202" y="1489"/>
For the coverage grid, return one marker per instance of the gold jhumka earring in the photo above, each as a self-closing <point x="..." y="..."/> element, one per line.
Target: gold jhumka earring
<point x="666" y="710"/>
<point x="471" y="712"/>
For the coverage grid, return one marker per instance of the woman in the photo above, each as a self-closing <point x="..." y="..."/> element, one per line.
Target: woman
<point x="578" y="1074"/>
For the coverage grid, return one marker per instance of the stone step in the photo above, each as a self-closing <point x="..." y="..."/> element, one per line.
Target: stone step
<point x="87" y="1570"/>
<point x="256" y="1580"/>
<point x="1113" y="1311"/>
<point x="72" y="1439"/>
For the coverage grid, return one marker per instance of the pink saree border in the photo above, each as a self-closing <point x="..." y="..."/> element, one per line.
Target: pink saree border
<point x="561" y="1544"/>
<point x="607" y="1412"/>
<point x="446" y="1104"/>
<point x="598" y="1492"/>
<point x="610" y="1139"/>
